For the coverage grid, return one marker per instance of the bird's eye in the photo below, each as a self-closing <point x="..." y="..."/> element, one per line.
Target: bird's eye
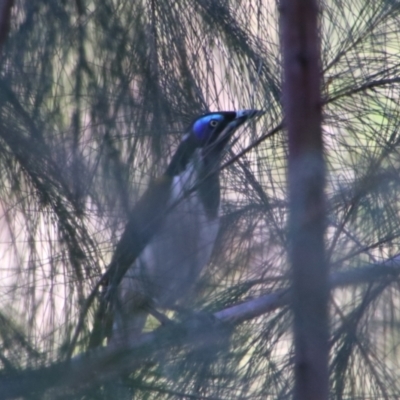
<point x="213" y="123"/>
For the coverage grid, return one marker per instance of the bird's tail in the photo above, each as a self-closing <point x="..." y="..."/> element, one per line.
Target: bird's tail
<point x="103" y="322"/>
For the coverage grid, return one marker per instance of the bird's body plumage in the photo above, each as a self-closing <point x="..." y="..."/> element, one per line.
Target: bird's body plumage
<point x="172" y="230"/>
<point x="165" y="271"/>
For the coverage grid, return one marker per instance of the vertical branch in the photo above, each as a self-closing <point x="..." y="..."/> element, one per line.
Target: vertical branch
<point x="302" y="103"/>
<point x="5" y="14"/>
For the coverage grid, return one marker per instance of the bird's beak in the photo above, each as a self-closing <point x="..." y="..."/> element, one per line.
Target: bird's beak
<point x="242" y="116"/>
<point x="245" y="115"/>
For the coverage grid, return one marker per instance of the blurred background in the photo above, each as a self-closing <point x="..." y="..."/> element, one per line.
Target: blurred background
<point x="95" y="97"/>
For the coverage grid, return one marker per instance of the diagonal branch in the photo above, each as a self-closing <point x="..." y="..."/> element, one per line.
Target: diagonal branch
<point x="105" y="364"/>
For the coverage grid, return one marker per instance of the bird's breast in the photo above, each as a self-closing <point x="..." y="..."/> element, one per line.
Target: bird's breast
<point x="173" y="260"/>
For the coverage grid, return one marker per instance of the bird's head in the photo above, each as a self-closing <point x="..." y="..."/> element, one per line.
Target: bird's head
<point x="210" y="133"/>
<point x="213" y="130"/>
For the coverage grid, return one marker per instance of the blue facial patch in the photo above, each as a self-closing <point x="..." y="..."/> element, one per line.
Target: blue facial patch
<point x="202" y="128"/>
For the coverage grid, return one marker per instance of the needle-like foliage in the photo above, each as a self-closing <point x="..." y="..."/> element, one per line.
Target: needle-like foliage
<point x="94" y="97"/>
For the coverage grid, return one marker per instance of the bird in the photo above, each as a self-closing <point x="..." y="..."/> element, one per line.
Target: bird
<point x="171" y="231"/>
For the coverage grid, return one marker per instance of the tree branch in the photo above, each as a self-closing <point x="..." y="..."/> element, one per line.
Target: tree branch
<point x="5" y="13"/>
<point x="104" y="364"/>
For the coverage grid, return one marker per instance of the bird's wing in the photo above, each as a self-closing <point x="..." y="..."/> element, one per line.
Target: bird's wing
<point x="144" y="221"/>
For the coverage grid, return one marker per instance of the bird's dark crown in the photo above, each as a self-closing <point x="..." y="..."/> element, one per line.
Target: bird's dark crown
<point x="211" y="133"/>
<point x="209" y="127"/>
